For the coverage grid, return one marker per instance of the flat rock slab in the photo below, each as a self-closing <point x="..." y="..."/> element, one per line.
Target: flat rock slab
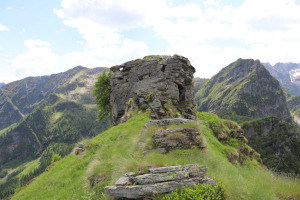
<point x="159" y="180"/>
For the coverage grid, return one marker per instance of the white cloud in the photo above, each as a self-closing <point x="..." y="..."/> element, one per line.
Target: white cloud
<point x="38" y="60"/>
<point x="268" y="30"/>
<point x="107" y="56"/>
<point x="3" y="28"/>
<point x="211" y="2"/>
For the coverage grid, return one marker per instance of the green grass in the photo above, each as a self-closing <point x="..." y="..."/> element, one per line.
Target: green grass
<point x="3" y="131"/>
<point x="30" y="166"/>
<point x="120" y="150"/>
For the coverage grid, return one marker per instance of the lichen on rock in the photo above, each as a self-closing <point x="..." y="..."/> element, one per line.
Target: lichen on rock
<point x="160" y="85"/>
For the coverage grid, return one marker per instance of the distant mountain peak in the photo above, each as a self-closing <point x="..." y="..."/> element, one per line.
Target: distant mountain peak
<point x="288" y="74"/>
<point x="244" y="88"/>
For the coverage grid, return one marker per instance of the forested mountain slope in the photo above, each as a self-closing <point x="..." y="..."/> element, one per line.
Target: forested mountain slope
<point x="62" y="112"/>
<point x="246" y="89"/>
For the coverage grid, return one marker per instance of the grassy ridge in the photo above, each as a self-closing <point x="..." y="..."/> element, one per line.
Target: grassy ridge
<point x="120" y="150"/>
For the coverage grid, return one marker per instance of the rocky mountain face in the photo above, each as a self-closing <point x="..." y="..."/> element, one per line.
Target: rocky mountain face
<point x="1" y="84"/>
<point x="288" y="74"/>
<point x="244" y="88"/>
<point x="161" y="85"/>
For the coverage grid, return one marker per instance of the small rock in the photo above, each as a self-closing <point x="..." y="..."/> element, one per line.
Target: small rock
<point x="122" y="181"/>
<point x="78" y="150"/>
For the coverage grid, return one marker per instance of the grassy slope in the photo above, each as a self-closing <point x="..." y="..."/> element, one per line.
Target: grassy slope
<point x="120" y="150"/>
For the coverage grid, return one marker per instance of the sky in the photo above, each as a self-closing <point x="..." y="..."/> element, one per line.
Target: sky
<point x="51" y="36"/>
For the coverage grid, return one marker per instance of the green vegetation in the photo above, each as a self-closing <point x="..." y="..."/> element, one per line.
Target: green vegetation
<point x="120" y="150"/>
<point x="278" y="143"/>
<point x="199" y="192"/>
<point x="238" y="92"/>
<point x="56" y="157"/>
<point x="102" y="93"/>
<point x="47" y="133"/>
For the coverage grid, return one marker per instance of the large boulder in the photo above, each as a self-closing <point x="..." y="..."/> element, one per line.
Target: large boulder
<point x="162" y="85"/>
<point x="158" y="180"/>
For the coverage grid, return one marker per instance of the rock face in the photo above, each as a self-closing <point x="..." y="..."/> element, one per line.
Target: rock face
<point x="157" y="181"/>
<point x="244" y="88"/>
<point x="287" y="74"/>
<point x="160" y="84"/>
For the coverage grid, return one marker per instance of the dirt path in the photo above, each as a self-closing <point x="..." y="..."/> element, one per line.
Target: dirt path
<point x="10" y="172"/>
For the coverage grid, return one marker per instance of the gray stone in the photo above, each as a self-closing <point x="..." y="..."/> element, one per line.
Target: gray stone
<point x="122" y="181"/>
<point x="189" y="167"/>
<point x="178" y="138"/>
<point x="165" y="122"/>
<point x="162" y="84"/>
<point x="209" y="181"/>
<point x="78" y="150"/>
<point x="159" y="180"/>
<point x="130" y="174"/>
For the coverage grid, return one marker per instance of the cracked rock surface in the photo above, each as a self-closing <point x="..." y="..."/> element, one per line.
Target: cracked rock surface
<point x="158" y="180"/>
<point x="162" y="85"/>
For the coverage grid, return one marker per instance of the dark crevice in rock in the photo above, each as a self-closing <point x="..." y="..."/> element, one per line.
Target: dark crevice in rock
<point x="181" y="92"/>
<point x="163" y="68"/>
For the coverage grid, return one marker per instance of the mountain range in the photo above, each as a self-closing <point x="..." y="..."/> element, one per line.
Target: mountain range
<point x="51" y="146"/>
<point x="43" y="116"/>
<point x="245" y="92"/>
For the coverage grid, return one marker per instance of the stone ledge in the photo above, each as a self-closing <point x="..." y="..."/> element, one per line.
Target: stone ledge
<point x="159" y="180"/>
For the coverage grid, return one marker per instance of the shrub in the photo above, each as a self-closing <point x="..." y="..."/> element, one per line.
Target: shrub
<point x="199" y="192"/>
<point x="102" y="92"/>
<point x="55" y="158"/>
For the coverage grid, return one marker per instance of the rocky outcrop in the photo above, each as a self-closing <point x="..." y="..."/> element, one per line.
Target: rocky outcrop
<point x="178" y="138"/>
<point x="158" y="180"/>
<point x="162" y="85"/>
<point x="166" y="139"/>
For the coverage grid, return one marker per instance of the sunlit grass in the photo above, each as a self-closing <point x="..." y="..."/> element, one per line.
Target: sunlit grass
<point x="121" y="149"/>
